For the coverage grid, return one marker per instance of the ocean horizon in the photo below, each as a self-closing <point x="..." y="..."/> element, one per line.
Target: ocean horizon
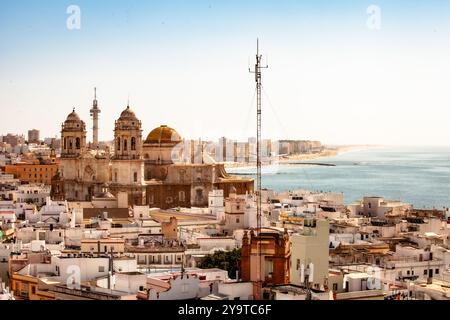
<point x="419" y="175"/>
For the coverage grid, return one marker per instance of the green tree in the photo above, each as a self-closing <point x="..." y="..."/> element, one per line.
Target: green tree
<point x="226" y="260"/>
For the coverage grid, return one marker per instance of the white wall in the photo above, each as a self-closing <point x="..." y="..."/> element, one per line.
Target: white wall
<point x="180" y="289"/>
<point x="241" y="290"/>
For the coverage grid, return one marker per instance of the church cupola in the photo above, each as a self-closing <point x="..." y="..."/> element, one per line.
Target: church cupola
<point x="73" y="136"/>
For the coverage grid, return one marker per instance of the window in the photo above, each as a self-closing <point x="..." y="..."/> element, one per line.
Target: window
<point x="33" y="290"/>
<point x="408" y="272"/>
<point x="436" y="271"/>
<point x="101" y="269"/>
<point x="335" y="286"/>
<point x="125" y="144"/>
<point x="298" y="264"/>
<point x="118" y="144"/>
<point x="269" y="268"/>
<point x="135" y="177"/>
<point x="237" y="220"/>
<point x="133" y="143"/>
<point x="425" y="272"/>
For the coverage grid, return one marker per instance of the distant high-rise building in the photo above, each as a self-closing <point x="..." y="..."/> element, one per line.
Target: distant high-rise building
<point x="14" y="139"/>
<point x="33" y="136"/>
<point x="221" y="150"/>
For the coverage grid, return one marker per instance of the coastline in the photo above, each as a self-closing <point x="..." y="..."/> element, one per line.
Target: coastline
<point x="297" y="158"/>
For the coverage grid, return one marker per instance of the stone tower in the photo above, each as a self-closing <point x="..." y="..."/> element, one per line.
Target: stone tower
<point x="127" y="163"/>
<point x="73" y="136"/>
<point x="57" y="192"/>
<point x="127" y="136"/>
<point x="94" y="113"/>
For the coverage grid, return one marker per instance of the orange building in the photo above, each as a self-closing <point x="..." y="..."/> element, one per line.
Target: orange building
<point x="33" y="173"/>
<point x="275" y="249"/>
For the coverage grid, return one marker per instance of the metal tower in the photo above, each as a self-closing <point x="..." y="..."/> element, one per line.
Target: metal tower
<point x="94" y="113"/>
<point x="257" y="72"/>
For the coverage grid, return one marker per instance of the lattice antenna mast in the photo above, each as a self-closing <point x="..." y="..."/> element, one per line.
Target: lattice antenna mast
<point x="257" y="72"/>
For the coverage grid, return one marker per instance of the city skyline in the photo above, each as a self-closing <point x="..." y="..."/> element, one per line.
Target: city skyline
<point x="178" y="65"/>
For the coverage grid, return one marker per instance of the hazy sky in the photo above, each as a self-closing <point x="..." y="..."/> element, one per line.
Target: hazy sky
<point x="330" y="77"/>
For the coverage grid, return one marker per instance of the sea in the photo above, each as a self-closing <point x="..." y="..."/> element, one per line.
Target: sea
<point x="416" y="175"/>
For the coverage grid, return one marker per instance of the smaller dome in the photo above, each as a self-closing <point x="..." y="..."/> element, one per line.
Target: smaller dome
<point x="163" y="134"/>
<point x="128" y="114"/>
<point x="73" y="116"/>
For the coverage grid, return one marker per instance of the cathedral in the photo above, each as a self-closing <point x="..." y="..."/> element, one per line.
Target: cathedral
<point x="136" y="171"/>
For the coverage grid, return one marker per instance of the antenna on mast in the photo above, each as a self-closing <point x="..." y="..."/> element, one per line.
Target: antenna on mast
<point x="257" y="72"/>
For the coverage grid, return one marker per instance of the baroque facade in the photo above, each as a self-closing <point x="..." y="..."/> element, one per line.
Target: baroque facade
<point x="144" y="172"/>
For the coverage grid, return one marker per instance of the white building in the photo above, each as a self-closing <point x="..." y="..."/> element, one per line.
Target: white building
<point x="34" y="193"/>
<point x="216" y="204"/>
<point x="377" y="207"/>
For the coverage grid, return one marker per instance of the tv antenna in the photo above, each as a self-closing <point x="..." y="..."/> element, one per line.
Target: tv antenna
<point x="257" y="72"/>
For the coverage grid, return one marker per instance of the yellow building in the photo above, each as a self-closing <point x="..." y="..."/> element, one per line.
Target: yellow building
<point x="26" y="287"/>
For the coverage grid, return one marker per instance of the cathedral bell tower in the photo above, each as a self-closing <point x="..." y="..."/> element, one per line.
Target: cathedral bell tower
<point x="73" y="136"/>
<point x="128" y="136"/>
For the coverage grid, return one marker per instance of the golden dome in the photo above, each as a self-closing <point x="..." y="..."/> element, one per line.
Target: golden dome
<point x="163" y="134"/>
<point x="127" y="114"/>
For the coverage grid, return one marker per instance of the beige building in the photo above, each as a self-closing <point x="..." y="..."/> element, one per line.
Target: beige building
<point x="310" y="247"/>
<point x="103" y="246"/>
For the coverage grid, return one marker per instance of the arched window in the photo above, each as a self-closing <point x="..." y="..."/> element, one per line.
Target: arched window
<point x="70" y="143"/>
<point x="118" y="144"/>
<point x="125" y="145"/>
<point x="133" y="143"/>
<point x="77" y="143"/>
<point x="64" y="143"/>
